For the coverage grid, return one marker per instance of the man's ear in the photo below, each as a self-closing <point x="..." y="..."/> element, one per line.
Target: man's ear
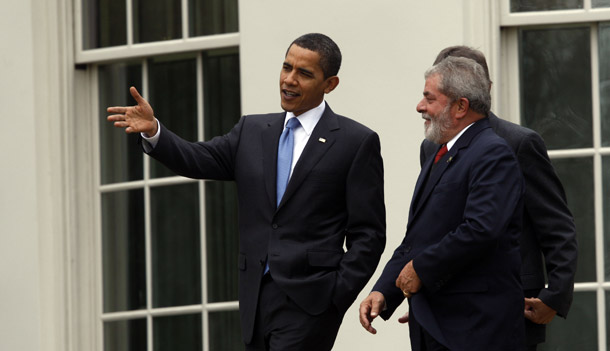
<point x="331" y="84"/>
<point x="462" y="106"/>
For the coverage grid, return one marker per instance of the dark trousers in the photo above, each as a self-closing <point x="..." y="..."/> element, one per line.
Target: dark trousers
<point x="281" y="325"/>
<point x="421" y="340"/>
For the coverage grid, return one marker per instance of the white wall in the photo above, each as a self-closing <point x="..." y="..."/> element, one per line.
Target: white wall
<point x="386" y="46"/>
<point x="32" y="181"/>
<point x="19" y="264"/>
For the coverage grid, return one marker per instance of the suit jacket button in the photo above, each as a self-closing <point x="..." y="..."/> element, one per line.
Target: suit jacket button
<point x="274" y="226"/>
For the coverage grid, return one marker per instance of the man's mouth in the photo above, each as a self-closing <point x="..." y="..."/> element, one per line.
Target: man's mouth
<point x="289" y="93"/>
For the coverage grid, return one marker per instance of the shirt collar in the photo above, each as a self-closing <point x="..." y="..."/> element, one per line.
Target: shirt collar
<point x="452" y="142"/>
<point x="308" y="119"/>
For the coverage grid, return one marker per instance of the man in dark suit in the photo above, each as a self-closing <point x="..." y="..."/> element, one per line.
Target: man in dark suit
<point x="296" y="280"/>
<point x="458" y="264"/>
<point x="548" y="239"/>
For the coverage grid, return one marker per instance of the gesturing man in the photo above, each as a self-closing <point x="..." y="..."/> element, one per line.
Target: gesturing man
<point x="309" y="183"/>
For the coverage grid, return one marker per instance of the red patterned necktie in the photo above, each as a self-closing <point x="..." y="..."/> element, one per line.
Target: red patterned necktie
<point x="440" y="153"/>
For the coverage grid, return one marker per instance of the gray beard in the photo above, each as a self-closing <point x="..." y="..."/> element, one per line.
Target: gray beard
<point x="436" y="131"/>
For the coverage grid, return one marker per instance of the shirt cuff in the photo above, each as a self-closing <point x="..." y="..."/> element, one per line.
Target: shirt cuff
<point x="151" y="141"/>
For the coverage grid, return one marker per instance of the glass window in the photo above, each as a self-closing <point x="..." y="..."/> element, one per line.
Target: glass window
<point x="556" y="85"/>
<point x="156" y="20"/>
<point x="225" y="331"/>
<point x="104" y="23"/>
<point x="123" y="252"/>
<point x="208" y="17"/>
<point x="606" y="202"/>
<point x="580" y="195"/>
<point x="178" y="333"/>
<point x="119" y="160"/>
<point x="600" y="3"/>
<point x="544" y="5"/>
<point x="173" y="95"/>
<point x="579" y="331"/>
<point x="222" y="240"/>
<point x="176" y="248"/>
<point x="129" y="335"/>
<point x="155" y="229"/>
<point x="604" y="80"/>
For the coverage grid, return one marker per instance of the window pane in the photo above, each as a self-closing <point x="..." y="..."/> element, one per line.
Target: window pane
<point x="606" y="209"/>
<point x="221" y="110"/>
<point x="178" y="333"/>
<point x="104" y="23"/>
<point x="556" y="85"/>
<point x="543" y="5"/>
<point x="221" y="86"/>
<point x="125" y="335"/>
<point x="208" y="17"/>
<point x="600" y="3"/>
<point x="176" y="249"/>
<point x="156" y="20"/>
<point x="123" y="253"/>
<point x="579" y="191"/>
<point x="579" y="330"/>
<point x="225" y="331"/>
<point x="120" y="155"/>
<point x="222" y="240"/>
<point x="173" y="95"/>
<point x="604" y="80"/>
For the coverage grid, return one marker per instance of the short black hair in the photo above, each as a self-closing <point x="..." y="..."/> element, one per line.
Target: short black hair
<point x="330" y="55"/>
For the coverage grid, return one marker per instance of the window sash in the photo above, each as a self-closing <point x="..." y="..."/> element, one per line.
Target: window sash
<point x="587" y="14"/>
<point x="135" y="50"/>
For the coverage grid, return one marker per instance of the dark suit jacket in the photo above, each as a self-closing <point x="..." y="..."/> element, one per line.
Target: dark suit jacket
<point x="548" y="238"/>
<point x="462" y="235"/>
<point x="334" y="197"/>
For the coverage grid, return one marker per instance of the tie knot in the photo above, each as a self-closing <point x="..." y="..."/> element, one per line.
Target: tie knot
<point x="293" y="123"/>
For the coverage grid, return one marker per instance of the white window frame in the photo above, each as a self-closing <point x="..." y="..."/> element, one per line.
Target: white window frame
<point x="146" y="183"/>
<point x="85" y="282"/>
<point x="133" y="50"/>
<point x="588" y="16"/>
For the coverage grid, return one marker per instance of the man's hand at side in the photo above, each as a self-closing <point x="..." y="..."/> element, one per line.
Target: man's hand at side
<point x="369" y="310"/>
<point x="538" y="312"/>
<point x="408" y="281"/>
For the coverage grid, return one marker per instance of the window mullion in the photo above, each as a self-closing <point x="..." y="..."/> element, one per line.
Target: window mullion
<point x="203" y="242"/>
<point x="597" y="186"/>
<point x="129" y="18"/>
<point x="185" y="19"/>
<point x="147" y="222"/>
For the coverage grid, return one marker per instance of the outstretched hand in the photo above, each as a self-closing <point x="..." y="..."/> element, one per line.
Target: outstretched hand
<point x="135" y="119"/>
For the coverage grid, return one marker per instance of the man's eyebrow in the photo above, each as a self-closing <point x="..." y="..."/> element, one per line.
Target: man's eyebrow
<point x="306" y="71"/>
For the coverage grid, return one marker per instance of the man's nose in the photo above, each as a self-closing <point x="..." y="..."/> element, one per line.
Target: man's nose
<point x="420" y="107"/>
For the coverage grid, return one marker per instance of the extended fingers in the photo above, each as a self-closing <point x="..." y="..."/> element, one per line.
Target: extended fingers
<point x="117" y="109"/>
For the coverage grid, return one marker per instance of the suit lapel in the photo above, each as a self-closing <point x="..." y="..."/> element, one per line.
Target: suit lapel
<point x="270" y="140"/>
<point x="321" y="139"/>
<point x="433" y="176"/>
